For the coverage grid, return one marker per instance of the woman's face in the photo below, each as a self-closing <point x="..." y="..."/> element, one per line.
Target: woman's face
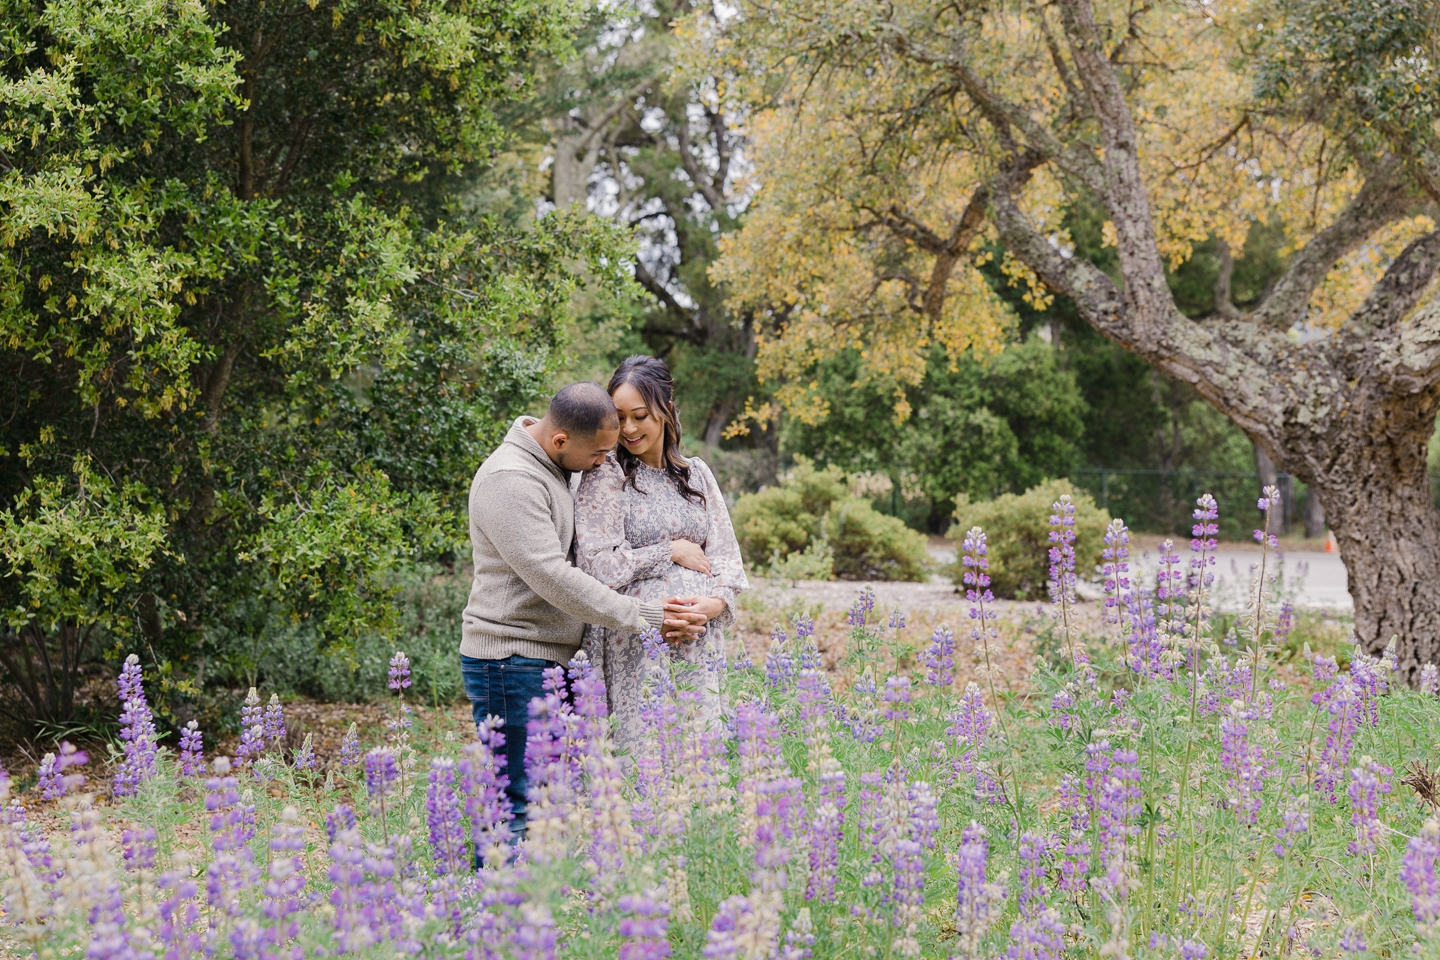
<point x="640" y="432"/>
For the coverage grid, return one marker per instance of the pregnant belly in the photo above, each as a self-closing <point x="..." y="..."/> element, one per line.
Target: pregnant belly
<point x="677" y="581"/>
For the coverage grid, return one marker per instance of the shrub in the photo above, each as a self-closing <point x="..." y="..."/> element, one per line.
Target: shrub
<point x="813" y="513"/>
<point x="1018" y="528"/>
<point x="867" y="545"/>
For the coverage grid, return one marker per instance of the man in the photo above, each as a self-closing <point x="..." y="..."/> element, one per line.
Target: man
<point x="528" y="603"/>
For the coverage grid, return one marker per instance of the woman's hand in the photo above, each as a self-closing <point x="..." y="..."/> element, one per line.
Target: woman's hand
<point x="690" y="556"/>
<point x="693" y="612"/>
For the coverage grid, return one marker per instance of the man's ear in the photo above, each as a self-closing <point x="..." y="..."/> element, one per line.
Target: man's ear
<point x="559" y="439"/>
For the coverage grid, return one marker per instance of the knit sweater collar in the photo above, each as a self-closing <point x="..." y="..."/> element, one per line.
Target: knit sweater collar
<point x="519" y="436"/>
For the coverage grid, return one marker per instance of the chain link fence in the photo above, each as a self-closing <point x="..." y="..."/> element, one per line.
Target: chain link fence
<point x="1163" y="500"/>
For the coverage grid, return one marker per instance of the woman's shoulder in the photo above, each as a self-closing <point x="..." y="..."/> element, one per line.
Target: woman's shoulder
<point x="608" y="472"/>
<point x="700" y="467"/>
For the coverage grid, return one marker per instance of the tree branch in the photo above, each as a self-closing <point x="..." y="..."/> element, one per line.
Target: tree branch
<point x="713" y="196"/>
<point x="1381" y="199"/>
<point x="659" y="291"/>
<point x="1124" y="193"/>
<point x="1401" y="287"/>
<point x="1001" y="112"/>
<point x="1224" y="306"/>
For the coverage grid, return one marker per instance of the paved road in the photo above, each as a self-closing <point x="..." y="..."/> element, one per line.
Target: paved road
<point x="1310" y="579"/>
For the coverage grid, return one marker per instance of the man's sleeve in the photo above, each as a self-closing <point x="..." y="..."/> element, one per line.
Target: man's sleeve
<point x="513" y="511"/>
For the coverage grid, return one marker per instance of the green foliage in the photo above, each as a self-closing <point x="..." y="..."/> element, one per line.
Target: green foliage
<point x="231" y="275"/>
<point x="811" y="516"/>
<point x="72" y="550"/>
<point x="292" y="657"/>
<point x="1018" y="530"/>
<point x="978" y="428"/>
<point x="867" y="545"/>
<point x="782" y="519"/>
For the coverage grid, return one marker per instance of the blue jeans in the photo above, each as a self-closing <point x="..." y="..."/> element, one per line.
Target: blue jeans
<point x="504" y="688"/>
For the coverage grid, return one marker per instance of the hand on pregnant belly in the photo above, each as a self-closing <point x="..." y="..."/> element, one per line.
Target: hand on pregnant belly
<point x="689" y="555"/>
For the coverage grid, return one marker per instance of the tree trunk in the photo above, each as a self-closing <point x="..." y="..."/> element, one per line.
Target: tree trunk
<point x="1314" y="514"/>
<point x="1372" y="477"/>
<point x="1349" y="412"/>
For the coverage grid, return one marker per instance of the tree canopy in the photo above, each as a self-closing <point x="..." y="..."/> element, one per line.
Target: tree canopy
<point x="913" y="141"/>
<point x="234" y="288"/>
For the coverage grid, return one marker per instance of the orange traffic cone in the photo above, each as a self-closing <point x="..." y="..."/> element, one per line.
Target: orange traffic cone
<point x="1330" y="545"/>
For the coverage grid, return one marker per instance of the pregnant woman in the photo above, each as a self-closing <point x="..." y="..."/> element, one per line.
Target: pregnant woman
<point x="652" y="524"/>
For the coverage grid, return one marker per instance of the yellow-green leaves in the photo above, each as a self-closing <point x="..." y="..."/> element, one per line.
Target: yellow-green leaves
<point x="71" y="549"/>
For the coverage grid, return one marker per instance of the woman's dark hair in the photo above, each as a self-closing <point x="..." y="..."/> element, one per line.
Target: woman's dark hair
<point x="652" y="379"/>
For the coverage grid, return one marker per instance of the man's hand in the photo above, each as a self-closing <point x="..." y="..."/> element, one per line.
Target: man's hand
<point x="683" y="621"/>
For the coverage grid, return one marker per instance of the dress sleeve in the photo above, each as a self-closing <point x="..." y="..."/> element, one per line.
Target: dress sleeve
<point x="601" y="549"/>
<point x="721" y="547"/>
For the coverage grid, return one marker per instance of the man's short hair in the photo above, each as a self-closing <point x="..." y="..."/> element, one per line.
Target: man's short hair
<point x="582" y="409"/>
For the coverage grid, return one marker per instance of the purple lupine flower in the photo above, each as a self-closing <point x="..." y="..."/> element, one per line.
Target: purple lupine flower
<point x="1118" y="808"/>
<point x="897" y="619"/>
<point x="1352" y="939"/>
<point x="1369" y="676"/>
<point x="1061" y="705"/>
<point x="1147" y="646"/>
<point x="1417" y="872"/>
<point x="1430" y="680"/>
<point x="137" y="730"/>
<point x="939" y="658"/>
<point x="978" y="900"/>
<point x="1193" y="950"/>
<point x="274" y="722"/>
<point x="446" y="820"/>
<point x="305" y="757"/>
<point x="897" y="696"/>
<point x="1038" y="934"/>
<point x="341" y="818"/>
<point x="51" y="785"/>
<point x="1243" y="759"/>
<point x="974" y="558"/>
<point x="1368" y="779"/>
<point x="54" y="781"/>
<point x="864" y="605"/>
<point x="1284" y="622"/>
<point x="1169" y="596"/>
<point x="969" y="725"/>
<point x="350" y="747"/>
<point x="192" y="750"/>
<point x="779" y="667"/>
<point x="252" y="730"/>
<point x="1294" y="823"/>
<point x="552" y="765"/>
<point x="734" y="924"/>
<point x="1116" y="573"/>
<point x="800" y="938"/>
<point x="137" y="849"/>
<point x="534" y="936"/>
<point x="804" y="627"/>
<point x="399" y="672"/>
<point x="179" y="928"/>
<point x="232" y="825"/>
<point x="1344" y="708"/>
<point x="827" y="831"/>
<point x="284" y="886"/>
<point x="644" y="927"/>
<point x="351" y="897"/>
<point x="380" y="772"/>
<point x="1203" y="544"/>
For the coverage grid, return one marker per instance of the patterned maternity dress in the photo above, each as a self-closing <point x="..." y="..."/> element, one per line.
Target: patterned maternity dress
<point x="623" y="535"/>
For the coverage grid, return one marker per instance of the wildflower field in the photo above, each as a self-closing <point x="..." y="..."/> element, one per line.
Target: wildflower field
<point x="1160" y="791"/>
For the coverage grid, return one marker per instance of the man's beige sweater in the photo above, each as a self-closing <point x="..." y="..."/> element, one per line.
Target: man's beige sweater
<point x="527" y="597"/>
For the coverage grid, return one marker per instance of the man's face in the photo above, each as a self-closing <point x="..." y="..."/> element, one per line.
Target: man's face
<point x="577" y="453"/>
